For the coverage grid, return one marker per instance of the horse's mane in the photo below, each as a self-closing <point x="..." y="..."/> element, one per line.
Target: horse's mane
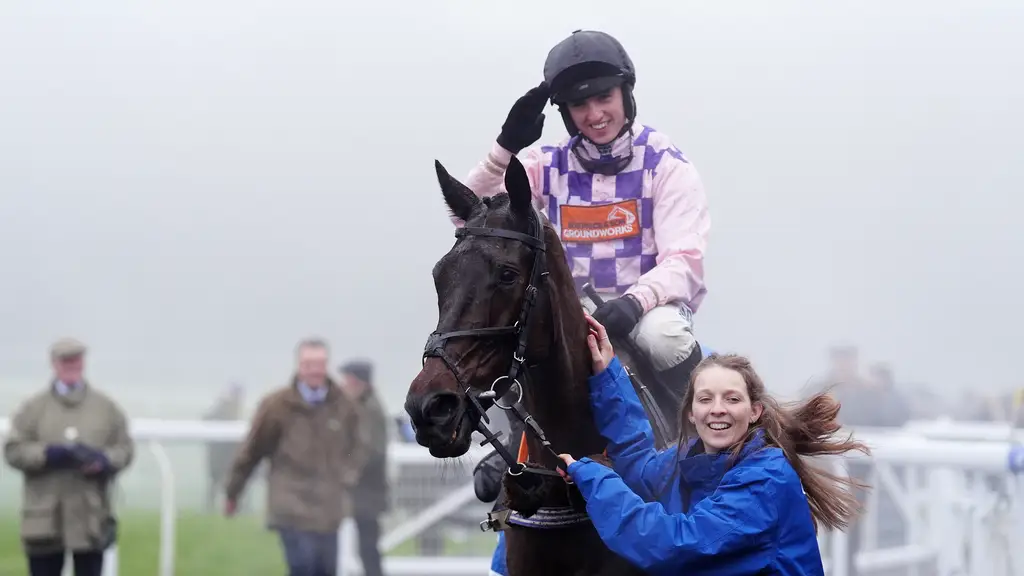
<point x="568" y="326"/>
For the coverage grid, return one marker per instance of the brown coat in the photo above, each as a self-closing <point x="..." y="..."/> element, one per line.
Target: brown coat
<point x="316" y="455"/>
<point x="63" y="507"/>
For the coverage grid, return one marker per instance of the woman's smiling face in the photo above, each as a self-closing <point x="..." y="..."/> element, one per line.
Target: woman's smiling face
<point x="722" y="411"/>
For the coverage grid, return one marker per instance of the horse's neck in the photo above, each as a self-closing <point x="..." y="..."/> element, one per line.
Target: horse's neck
<point x="566" y="418"/>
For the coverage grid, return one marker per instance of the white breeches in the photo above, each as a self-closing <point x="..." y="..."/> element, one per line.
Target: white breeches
<point x="665" y="334"/>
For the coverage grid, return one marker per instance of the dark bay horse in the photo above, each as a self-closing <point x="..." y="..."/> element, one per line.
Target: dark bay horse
<point x="511" y="331"/>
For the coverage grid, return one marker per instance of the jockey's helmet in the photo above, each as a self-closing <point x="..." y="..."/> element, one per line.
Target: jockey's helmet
<point x="587" y="63"/>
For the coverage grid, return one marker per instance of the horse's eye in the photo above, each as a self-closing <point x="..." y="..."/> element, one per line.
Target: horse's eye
<point x="507" y="276"/>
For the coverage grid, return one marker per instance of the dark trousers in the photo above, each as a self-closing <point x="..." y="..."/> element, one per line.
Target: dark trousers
<point x="368" y="527"/>
<point x="86" y="564"/>
<point x="309" y="553"/>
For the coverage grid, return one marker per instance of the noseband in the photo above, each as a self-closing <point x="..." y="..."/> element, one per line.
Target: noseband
<point x="520" y="329"/>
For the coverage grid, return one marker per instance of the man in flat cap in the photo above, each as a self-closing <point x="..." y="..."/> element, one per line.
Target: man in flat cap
<point x="70" y="441"/>
<point x="370" y="495"/>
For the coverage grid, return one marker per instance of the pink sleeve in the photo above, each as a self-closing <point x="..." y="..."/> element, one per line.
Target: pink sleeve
<point x="681" y="224"/>
<point x="487" y="178"/>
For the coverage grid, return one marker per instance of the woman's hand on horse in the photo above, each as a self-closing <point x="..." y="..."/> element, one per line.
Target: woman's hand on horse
<point x="568" y="462"/>
<point x="601" y="350"/>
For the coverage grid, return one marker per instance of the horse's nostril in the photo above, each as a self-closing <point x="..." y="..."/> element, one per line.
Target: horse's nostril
<point x="442" y="408"/>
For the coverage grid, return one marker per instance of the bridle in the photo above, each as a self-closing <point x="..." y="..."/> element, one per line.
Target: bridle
<point x="520" y="329"/>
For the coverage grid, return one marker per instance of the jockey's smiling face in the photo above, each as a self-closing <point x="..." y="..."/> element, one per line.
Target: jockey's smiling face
<point x="722" y="411"/>
<point x="601" y="117"/>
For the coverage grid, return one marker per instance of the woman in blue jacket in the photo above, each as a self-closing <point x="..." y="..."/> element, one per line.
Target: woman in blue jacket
<point x="736" y="499"/>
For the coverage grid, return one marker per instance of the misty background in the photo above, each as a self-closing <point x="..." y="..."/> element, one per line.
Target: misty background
<point x="191" y="187"/>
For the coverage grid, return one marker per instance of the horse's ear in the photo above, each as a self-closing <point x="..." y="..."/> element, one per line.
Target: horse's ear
<point x="517" y="184"/>
<point x="460" y="199"/>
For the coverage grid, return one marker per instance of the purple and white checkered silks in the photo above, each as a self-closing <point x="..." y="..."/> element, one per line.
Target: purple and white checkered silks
<point x="610" y="266"/>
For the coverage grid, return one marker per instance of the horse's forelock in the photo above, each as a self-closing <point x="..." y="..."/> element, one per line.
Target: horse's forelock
<point x="496" y="201"/>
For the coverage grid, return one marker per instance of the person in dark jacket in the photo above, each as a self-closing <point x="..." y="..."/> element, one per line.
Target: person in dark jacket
<point x="370" y="494"/>
<point x="733" y="496"/>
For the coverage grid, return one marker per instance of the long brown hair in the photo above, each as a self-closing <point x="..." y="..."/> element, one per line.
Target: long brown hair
<point x="807" y="428"/>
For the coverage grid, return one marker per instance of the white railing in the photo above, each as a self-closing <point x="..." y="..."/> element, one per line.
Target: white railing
<point x="946" y="429"/>
<point x="155" y="433"/>
<point x="962" y="502"/>
<point x="955" y="517"/>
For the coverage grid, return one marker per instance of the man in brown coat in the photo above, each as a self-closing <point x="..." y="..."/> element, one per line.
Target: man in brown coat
<point x="70" y="441"/>
<point x="370" y="495"/>
<point x="311" y="434"/>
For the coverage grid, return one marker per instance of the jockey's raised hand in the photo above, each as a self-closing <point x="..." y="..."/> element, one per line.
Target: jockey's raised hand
<point x="525" y="121"/>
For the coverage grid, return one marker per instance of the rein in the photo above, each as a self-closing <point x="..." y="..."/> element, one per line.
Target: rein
<point x="506" y="383"/>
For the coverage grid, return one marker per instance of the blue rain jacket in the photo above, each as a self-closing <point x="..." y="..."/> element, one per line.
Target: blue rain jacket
<point x="498" y="565"/>
<point x="695" y="514"/>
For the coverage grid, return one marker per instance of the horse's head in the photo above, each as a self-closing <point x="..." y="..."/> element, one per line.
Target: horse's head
<point x="494" y="310"/>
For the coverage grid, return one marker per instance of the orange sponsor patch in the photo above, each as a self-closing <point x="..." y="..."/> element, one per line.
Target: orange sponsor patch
<point x="600" y="223"/>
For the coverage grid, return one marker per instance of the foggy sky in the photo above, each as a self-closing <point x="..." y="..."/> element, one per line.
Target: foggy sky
<point x="192" y="186"/>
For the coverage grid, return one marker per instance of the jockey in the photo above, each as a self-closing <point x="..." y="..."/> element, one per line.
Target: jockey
<point x="629" y="206"/>
<point x="739" y="499"/>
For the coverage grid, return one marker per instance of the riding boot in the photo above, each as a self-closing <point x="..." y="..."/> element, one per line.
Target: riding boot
<point x="677" y="380"/>
<point x="680" y="373"/>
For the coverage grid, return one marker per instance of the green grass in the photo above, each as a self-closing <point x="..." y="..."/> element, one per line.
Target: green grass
<point x="205" y="545"/>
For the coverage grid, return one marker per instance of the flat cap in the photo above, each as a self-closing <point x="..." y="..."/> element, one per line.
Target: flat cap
<point x="67" y="348"/>
<point x="360" y="368"/>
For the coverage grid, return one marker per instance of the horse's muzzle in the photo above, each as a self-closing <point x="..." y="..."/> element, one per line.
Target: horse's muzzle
<point x="442" y="423"/>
